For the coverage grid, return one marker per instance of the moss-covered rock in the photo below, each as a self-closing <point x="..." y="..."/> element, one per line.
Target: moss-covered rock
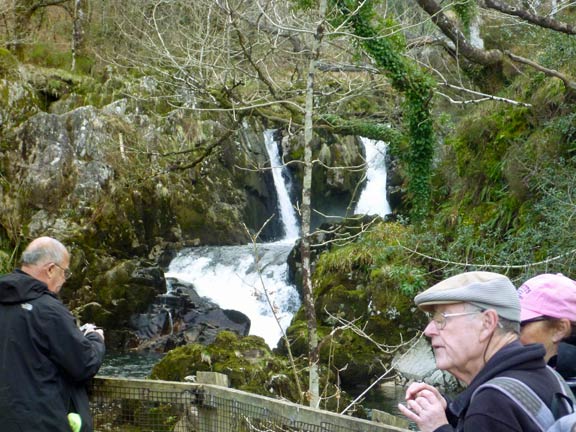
<point x="247" y="361"/>
<point x="369" y="283"/>
<point x="250" y="366"/>
<point x="8" y="64"/>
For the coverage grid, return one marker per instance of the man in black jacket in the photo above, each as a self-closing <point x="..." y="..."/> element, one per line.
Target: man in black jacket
<point x="45" y="359"/>
<point x="473" y="330"/>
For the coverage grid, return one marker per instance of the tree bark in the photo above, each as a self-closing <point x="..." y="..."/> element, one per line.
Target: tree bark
<point x="78" y="30"/>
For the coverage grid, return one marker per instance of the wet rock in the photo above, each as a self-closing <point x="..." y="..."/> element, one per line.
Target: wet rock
<point x="181" y="317"/>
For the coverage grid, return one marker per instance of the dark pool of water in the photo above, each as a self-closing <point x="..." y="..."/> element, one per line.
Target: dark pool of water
<point x="384" y="398"/>
<point x="128" y="365"/>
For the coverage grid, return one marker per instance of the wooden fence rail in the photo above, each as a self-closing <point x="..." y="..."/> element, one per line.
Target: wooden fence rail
<point x="139" y="405"/>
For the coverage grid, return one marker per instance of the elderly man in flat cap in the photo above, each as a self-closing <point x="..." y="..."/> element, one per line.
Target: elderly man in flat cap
<point x="473" y="330"/>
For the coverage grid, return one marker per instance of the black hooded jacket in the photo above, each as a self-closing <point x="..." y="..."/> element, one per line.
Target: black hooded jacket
<point x="45" y="360"/>
<point x="565" y="361"/>
<point x="491" y="410"/>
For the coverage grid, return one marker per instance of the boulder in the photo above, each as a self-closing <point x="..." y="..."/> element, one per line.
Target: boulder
<point x="418" y="364"/>
<point x="181" y="317"/>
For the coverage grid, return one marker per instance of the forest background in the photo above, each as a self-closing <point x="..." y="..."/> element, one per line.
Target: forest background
<point x="475" y="98"/>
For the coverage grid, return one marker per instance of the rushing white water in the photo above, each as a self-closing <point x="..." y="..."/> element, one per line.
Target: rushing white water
<point x="373" y="198"/>
<point x="279" y="173"/>
<point x="230" y="277"/>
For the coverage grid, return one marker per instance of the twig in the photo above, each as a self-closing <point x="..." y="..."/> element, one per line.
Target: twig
<point x="381" y="377"/>
<point x="254" y="238"/>
<point x="518" y="266"/>
<point x="484" y="96"/>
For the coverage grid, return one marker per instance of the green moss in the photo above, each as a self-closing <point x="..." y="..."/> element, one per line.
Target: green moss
<point x="181" y="362"/>
<point x="8" y="64"/>
<point x="247" y="361"/>
<point x="371" y="283"/>
<point x="5" y="262"/>
<point x="44" y="54"/>
<point x="382" y="132"/>
<point x="466" y="11"/>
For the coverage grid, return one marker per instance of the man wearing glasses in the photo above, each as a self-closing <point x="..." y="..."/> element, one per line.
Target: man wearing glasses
<point x="45" y="359"/>
<point x="473" y="330"/>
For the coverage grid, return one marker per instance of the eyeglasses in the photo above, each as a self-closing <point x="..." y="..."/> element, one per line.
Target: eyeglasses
<point x="67" y="272"/>
<point x="532" y="320"/>
<point x="440" y="318"/>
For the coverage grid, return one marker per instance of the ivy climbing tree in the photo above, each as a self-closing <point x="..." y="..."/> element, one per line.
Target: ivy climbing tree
<point x="412" y="82"/>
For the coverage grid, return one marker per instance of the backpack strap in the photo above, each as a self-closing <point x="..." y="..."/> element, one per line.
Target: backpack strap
<point x="565" y="387"/>
<point x="524" y="397"/>
<point x="531" y="403"/>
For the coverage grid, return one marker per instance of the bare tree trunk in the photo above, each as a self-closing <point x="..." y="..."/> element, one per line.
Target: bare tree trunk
<point x="313" y="353"/>
<point x="78" y="30"/>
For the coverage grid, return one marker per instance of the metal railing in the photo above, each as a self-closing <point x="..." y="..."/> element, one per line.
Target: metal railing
<point x="138" y="405"/>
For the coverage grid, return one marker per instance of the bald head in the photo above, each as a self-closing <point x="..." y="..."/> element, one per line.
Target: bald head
<point x="47" y="260"/>
<point x="43" y="250"/>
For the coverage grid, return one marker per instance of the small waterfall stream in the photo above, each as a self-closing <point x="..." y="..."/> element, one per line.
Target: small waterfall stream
<point x="279" y="174"/>
<point x="373" y="198"/>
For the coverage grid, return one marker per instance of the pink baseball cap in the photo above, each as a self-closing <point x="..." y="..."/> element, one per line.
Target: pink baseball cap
<point x="552" y="295"/>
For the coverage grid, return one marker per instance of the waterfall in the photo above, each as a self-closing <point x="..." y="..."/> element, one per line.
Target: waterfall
<point x="279" y="173"/>
<point x="170" y="320"/>
<point x="252" y="278"/>
<point x="231" y="278"/>
<point x="373" y="198"/>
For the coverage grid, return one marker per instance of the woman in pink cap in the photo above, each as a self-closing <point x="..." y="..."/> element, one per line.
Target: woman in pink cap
<point x="548" y="316"/>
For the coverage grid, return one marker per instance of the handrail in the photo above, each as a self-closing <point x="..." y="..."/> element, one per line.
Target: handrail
<point x="179" y="407"/>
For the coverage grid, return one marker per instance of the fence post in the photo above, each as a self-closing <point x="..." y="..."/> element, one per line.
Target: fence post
<point x="214" y="378"/>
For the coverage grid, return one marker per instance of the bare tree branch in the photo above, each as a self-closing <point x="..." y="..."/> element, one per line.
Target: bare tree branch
<point x="483" y="96"/>
<point x="480" y="56"/>
<point x="467" y="265"/>
<point x="325" y="67"/>
<point x="273" y="309"/>
<point x="462" y="46"/>
<point x="550" y="72"/>
<point x="205" y="154"/>
<point x="545" y="22"/>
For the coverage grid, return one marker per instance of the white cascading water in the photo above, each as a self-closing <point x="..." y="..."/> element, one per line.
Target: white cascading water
<point x="287" y="212"/>
<point x="232" y="278"/>
<point x="373" y="199"/>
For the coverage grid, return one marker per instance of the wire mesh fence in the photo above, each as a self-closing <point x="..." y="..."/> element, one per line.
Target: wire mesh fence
<point x="130" y="405"/>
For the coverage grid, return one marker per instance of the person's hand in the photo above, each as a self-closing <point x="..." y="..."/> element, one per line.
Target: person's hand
<point x="425" y="406"/>
<point x="91" y="328"/>
<point x="414" y="389"/>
